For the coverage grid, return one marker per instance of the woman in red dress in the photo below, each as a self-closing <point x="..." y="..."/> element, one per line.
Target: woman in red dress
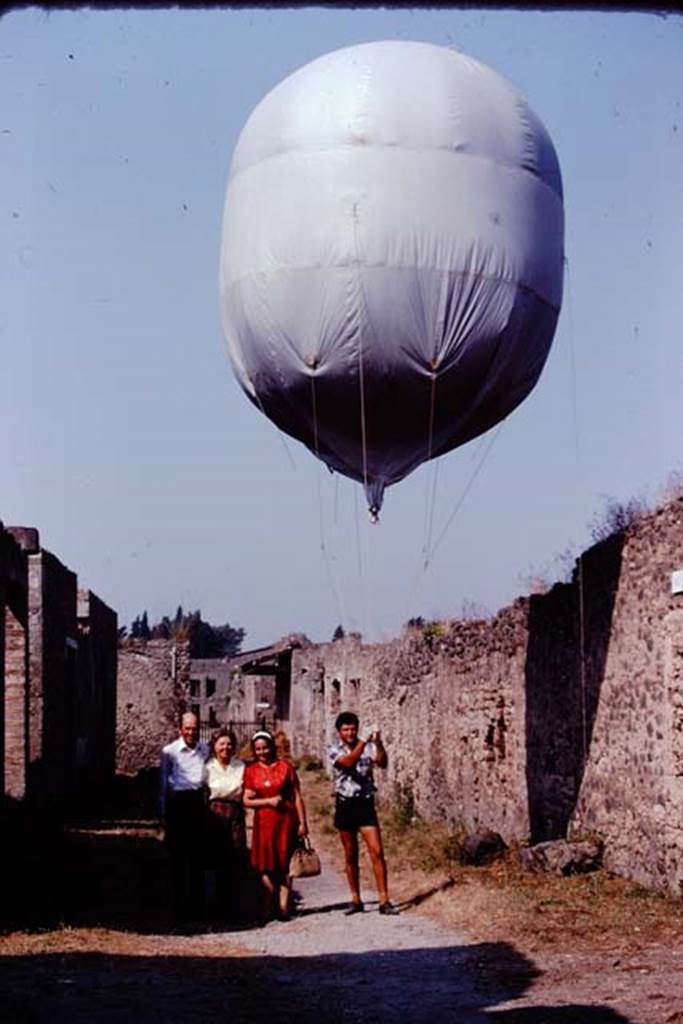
<point x="271" y="788"/>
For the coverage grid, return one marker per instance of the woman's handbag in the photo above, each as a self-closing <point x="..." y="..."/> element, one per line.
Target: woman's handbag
<point x="305" y="862"/>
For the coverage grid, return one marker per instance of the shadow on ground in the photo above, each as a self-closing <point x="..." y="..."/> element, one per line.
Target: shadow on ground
<point x="106" y="874"/>
<point x="459" y="984"/>
<point x="117" y="877"/>
<point x="124" y="882"/>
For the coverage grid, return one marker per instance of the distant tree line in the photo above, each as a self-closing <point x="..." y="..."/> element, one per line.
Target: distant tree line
<point x="206" y="641"/>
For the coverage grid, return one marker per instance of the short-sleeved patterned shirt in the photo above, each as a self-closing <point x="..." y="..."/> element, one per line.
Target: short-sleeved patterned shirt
<point x="356" y="781"/>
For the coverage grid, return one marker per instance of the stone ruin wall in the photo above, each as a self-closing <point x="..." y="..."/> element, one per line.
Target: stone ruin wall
<point x="57" y="677"/>
<point x="95" y="712"/>
<point x="153" y="677"/>
<point x="632" y="789"/>
<point x="52" y="673"/>
<point x="561" y="715"/>
<point x="448" y="711"/>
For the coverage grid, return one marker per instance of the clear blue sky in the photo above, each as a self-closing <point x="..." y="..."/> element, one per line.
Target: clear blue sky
<point x="123" y="435"/>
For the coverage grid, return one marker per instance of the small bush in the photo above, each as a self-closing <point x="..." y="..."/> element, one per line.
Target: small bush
<point x="453" y="847"/>
<point x="616" y="517"/>
<point x="431" y="632"/>
<point x="310" y="763"/>
<point x="672" y="488"/>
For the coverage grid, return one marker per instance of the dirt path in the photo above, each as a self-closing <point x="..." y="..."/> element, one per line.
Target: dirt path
<point x="367" y="967"/>
<point x="119" y="964"/>
<point x="374" y="970"/>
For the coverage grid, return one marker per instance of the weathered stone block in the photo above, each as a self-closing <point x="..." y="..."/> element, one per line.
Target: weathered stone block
<point x="483" y="848"/>
<point x="561" y="857"/>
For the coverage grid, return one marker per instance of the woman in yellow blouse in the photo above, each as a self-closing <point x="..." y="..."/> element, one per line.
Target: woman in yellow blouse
<point x="224" y="782"/>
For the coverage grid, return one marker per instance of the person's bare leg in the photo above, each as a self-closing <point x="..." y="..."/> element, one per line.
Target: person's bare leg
<point x="268" y="896"/>
<point x="372" y="838"/>
<point x="285" y="890"/>
<point x="350" y="844"/>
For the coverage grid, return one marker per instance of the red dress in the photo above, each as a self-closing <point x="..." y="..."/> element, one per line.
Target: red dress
<point x="276" y="829"/>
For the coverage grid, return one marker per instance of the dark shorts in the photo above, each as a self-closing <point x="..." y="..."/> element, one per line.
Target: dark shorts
<point x="352" y="813"/>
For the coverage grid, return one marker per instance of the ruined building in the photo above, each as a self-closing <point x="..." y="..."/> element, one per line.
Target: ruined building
<point x="247" y="691"/>
<point x="58" y="671"/>
<point x="152" y="693"/>
<point x="158" y="681"/>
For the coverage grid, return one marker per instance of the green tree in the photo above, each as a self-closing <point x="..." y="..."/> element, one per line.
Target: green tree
<point x="206" y="641"/>
<point x="139" y="629"/>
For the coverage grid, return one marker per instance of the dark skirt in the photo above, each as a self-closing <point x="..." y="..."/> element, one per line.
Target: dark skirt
<point x="185" y="811"/>
<point x="226" y="840"/>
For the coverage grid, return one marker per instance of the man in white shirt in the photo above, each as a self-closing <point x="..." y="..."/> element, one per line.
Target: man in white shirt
<point x="183" y="813"/>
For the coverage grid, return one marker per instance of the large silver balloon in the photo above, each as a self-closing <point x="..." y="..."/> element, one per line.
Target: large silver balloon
<point x="391" y="259"/>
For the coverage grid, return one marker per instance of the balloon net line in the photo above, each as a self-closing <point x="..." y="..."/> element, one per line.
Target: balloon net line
<point x="359" y="550"/>
<point x="363" y="433"/>
<point x="432" y="508"/>
<point x="284" y="444"/>
<point x="430" y="497"/>
<point x="580" y="475"/>
<point x="572" y="362"/>
<point x="468" y="488"/>
<point x="427" y="559"/>
<point x="362" y="578"/>
<point x="321" y="519"/>
<point x="582" y="660"/>
<point x="361" y="369"/>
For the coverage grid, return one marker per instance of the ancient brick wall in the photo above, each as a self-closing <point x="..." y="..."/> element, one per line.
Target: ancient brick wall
<point x="632" y="787"/>
<point x="153" y="678"/>
<point x="95" y="705"/>
<point x="562" y="714"/>
<point x="13" y="664"/>
<point x="451" y="711"/>
<point x="58" y="668"/>
<point x="15" y="725"/>
<point x="57" y="680"/>
<point x="53" y="656"/>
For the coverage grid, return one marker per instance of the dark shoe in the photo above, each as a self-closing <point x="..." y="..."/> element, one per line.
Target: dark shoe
<point x="388" y="908"/>
<point x="354" y="908"/>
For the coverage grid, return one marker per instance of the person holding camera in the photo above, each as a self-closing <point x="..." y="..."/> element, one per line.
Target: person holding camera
<point x="353" y="760"/>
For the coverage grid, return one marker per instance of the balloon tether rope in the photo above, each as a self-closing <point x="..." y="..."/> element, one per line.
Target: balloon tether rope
<point x="578" y="459"/>
<point x="279" y="433"/>
<point x="425" y="563"/>
<point x="323" y="545"/>
<point x="430" y="500"/>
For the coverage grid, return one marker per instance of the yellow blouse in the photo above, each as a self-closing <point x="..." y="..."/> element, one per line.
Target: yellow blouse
<point x="224" y="783"/>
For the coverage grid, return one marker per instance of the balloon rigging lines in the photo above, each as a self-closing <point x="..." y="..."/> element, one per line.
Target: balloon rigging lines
<point x="580" y="474"/>
<point x="292" y="463"/>
<point x="468" y="488"/>
<point x="321" y="521"/>
<point x="572" y="359"/>
<point x="429" y="555"/>
<point x="361" y="575"/>
<point x="430" y="502"/>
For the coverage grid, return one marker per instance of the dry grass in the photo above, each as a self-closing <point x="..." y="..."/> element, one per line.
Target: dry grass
<point x="595" y="912"/>
<point x="114" y="942"/>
